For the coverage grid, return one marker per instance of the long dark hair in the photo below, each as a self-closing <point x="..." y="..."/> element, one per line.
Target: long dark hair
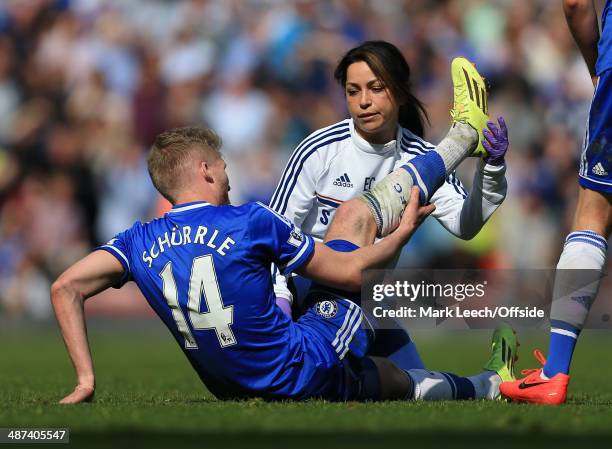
<point x="389" y="65"/>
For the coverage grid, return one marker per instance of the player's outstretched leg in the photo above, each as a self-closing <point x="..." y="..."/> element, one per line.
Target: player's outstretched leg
<point x="378" y="378"/>
<point x="386" y="201"/>
<point x="388" y="198"/>
<point x="379" y="211"/>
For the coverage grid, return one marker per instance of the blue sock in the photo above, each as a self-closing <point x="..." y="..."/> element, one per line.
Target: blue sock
<point x="428" y="174"/>
<point x="462" y="387"/>
<point x="563" y="337"/>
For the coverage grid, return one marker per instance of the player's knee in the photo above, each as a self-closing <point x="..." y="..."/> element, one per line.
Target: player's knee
<point x="352" y="212"/>
<point x="353" y="221"/>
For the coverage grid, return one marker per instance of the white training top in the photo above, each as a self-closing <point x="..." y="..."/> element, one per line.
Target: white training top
<point x="335" y="164"/>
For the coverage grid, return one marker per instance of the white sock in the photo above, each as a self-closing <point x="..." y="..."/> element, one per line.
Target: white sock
<point x="458" y="144"/>
<point x="578" y="277"/>
<point x="486" y="385"/>
<point x="438" y="386"/>
<point x="389" y="197"/>
<point x="430" y="385"/>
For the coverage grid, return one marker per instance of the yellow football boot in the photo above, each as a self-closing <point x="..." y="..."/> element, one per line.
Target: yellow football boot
<point x="469" y="99"/>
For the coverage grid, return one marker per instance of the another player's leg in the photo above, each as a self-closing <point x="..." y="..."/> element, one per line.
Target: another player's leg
<point x="586" y="246"/>
<point x="576" y="283"/>
<point x="582" y="260"/>
<point x="376" y="378"/>
<point x="574" y="292"/>
<point x="434" y="385"/>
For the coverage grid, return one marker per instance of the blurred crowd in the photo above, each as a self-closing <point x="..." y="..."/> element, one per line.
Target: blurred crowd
<point x="85" y="85"/>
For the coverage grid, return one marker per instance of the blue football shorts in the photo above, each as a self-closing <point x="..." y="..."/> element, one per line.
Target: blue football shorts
<point x="596" y="159"/>
<point x="339" y="339"/>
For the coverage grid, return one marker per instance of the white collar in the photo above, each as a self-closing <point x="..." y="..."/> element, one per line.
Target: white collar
<point x="374" y="148"/>
<point x="188" y="206"/>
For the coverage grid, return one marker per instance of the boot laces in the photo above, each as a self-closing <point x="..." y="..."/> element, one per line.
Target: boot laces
<point x="540" y="357"/>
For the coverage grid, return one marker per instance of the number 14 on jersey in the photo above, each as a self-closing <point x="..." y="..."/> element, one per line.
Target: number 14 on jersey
<point x="202" y="283"/>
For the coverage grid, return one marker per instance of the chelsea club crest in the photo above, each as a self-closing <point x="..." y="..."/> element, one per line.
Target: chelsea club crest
<point x="327" y="309"/>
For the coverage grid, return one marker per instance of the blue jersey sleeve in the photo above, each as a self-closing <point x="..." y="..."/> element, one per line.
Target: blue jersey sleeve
<point x="117" y="246"/>
<point x="275" y="239"/>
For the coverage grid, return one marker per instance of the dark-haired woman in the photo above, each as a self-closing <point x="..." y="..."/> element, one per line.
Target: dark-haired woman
<point x="384" y="131"/>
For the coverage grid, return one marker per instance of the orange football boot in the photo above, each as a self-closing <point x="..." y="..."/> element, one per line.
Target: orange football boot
<point x="534" y="389"/>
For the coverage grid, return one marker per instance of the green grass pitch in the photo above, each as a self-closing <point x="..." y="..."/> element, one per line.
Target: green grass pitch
<point x="148" y="396"/>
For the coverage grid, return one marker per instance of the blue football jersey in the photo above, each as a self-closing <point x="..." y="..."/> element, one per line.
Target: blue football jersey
<point x="604" y="47"/>
<point x="205" y="270"/>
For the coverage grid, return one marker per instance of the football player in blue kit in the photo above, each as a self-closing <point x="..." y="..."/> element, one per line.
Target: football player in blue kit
<point x="204" y="268"/>
<point x="586" y="246"/>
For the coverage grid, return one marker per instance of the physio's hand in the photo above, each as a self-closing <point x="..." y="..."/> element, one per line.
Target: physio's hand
<point x="81" y="393"/>
<point x="495" y="142"/>
<point x="413" y="215"/>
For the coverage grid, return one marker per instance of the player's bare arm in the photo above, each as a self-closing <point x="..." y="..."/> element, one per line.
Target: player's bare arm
<point x="92" y="274"/>
<point x="582" y="20"/>
<point x="344" y="270"/>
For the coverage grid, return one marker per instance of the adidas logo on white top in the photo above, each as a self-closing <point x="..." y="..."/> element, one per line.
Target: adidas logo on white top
<point x="599" y="170"/>
<point x="343" y="181"/>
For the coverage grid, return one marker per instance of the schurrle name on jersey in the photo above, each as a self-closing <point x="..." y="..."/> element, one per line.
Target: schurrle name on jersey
<point x="184" y="237"/>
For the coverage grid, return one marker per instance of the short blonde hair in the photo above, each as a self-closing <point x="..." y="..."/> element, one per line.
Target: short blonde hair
<point x="173" y="151"/>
